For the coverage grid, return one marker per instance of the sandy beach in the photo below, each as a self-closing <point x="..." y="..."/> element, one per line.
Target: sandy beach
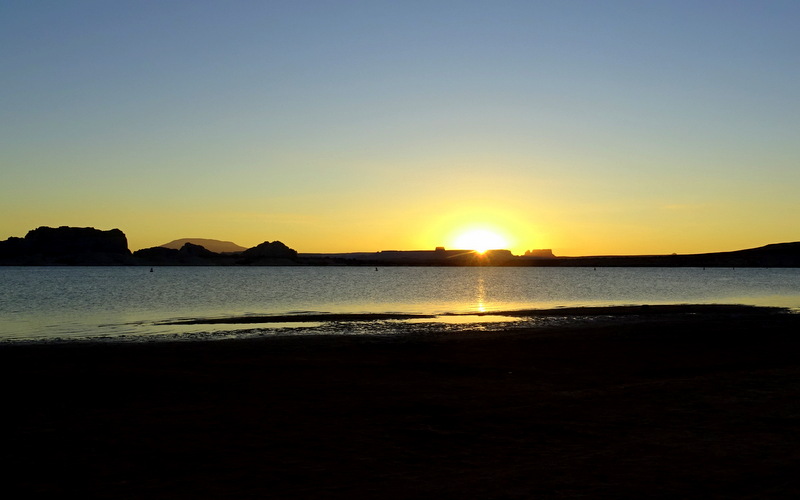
<point x="673" y="405"/>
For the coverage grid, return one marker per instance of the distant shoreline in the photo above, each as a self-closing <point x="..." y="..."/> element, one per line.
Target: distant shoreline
<point x="774" y="255"/>
<point x="406" y="326"/>
<point x="70" y="246"/>
<point x="618" y="311"/>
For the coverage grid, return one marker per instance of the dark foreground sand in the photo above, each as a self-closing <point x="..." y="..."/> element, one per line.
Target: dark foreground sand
<point x="661" y="406"/>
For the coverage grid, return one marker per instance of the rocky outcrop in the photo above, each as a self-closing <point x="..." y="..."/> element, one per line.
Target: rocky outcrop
<point x="275" y="249"/>
<point x="192" y="250"/>
<point x="86" y="246"/>
<point x="268" y="253"/>
<point x="158" y="256"/>
<point x="188" y="255"/>
<point x="67" y="246"/>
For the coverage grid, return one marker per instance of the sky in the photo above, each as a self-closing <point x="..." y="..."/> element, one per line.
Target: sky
<point x="588" y="127"/>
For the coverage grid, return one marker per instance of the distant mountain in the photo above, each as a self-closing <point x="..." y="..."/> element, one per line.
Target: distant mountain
<point x="216" y="246"/>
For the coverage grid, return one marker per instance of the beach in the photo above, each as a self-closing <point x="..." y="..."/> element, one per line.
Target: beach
<point x="678" y="404"/>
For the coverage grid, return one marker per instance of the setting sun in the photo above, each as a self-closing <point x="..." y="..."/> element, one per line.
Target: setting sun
<point x="480" y="240"/>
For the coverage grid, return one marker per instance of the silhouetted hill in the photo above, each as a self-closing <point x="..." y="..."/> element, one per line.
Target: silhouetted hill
<point x="217" y="246"/>
<point x="188" y="255"/>
<point x="269" y="253"/>
<point x="774" y="255"/>
<point x="67" y="246"/>
<point x="265" y="254"/>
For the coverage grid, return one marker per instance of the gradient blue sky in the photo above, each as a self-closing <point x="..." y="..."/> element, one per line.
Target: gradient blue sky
<point x="588" y="127"/>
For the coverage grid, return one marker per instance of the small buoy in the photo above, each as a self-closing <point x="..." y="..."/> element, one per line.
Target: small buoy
<point x="151" y="269"/>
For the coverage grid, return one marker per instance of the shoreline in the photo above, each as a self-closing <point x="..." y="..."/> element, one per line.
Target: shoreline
<point x="660" y="406"/>
<point x="624" y="310"/>
<point x="313" y="324"/>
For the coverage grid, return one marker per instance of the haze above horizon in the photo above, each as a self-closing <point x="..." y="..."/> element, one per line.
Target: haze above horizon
<point x="592" y="128"/>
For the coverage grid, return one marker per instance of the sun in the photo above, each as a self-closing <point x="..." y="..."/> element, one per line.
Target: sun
<point x="480" y="240"/>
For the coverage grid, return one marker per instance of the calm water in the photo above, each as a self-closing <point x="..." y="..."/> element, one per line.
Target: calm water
<point x="117" y="302"/>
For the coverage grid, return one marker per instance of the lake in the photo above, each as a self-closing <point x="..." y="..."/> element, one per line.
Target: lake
<point x="46" y="303"/>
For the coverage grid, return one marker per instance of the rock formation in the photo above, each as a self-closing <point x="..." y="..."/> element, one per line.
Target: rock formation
<point x="268" y="254"/>
<point x="189" y="254"/>
<point x="275" y="253"/>
<point x="275" y="249"/>
<point x="67" y="246"/>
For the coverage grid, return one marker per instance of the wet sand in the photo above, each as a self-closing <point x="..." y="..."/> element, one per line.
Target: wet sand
<point x="702" y="405"/>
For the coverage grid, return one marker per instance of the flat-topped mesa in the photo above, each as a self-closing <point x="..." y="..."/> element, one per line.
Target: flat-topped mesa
<point x="440" y="256"/>
<point x="542" y="253"/>
<point x="67" y="246"/>
<point x="72" y="240"/>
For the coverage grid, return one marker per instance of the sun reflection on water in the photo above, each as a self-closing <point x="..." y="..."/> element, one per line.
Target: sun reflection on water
<point x="480" y="294"/>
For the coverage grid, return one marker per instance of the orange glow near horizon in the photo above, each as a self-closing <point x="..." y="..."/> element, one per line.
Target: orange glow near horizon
<point x="480" y="225"/>
<point x="480" y="240"/>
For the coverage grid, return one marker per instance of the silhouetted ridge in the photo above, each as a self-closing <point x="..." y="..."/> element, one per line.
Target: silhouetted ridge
<point x="90" y="246"/>
<point x="217" y="246"/>
<point x="270" y="254"/>
<point x="189" y="254"/>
